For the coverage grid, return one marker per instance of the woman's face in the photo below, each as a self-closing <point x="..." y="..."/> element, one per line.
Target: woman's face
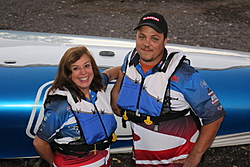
<point x="82" y="73"/>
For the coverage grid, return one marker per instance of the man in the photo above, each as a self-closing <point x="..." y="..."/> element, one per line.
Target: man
<point x="174" y="114"/>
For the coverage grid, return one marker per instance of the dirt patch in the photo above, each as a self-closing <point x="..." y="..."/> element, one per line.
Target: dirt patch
<point x="208" y="23"/>
<point x="231" y="12"/>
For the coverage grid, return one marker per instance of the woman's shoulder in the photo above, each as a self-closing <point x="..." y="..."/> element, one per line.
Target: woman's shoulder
<point x="58" y="104"/>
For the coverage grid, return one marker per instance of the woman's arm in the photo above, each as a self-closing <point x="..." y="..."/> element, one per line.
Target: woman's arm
<point x="44" y="150"/>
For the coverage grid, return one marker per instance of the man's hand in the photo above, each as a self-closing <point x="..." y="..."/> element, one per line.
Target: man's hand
<point x="114" y="94"/>
<point x="205" y="139"/>
<point x="116" y="110"/>
<point x="190" y="161"/>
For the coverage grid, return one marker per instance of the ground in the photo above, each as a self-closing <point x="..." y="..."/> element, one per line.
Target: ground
<point x="210" y="23"/>
<point x="221" y="24"/>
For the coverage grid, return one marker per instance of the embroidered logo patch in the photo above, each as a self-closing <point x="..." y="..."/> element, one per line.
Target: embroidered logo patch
<point x="152" y="18"/>
<point x="203" y="84"/>
<point x="213" y="96"/>
<point x="174" y="78"/>
<point x="68" y="108"/>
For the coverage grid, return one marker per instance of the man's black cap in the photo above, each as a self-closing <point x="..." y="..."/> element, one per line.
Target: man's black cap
<point x="155" y="21"/>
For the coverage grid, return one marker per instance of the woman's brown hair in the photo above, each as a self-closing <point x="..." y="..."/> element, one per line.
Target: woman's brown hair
<point x="64" y="72"/>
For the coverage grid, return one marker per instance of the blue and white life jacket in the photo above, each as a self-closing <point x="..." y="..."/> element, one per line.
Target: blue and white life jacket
<point x="96" y="120"/>
<point x="146" y="95"/>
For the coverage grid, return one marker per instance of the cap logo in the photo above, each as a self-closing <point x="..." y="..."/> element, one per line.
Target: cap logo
<point x="151" y="17"/>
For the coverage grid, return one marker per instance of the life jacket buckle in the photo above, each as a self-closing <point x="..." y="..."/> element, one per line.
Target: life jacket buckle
<point x="124" y="116"/>
<point x="94" y="149"/>
<point x="148" y="121"/>
<point x="114" y="137"/>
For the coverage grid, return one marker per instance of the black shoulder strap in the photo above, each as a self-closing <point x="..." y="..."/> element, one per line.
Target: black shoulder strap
<point x="164" y="66"/>
<point x="51" y="98"/>
<point x="134" y="59"/>
<point x="196" y="119"/>
<point x="166" y="107"/>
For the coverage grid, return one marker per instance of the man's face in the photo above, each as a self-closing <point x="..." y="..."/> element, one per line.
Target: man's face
<point x="150" y="45"/>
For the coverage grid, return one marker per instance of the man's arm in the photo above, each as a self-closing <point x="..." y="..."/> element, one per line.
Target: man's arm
<point x="112" y="72"/>
<point x="205" y="139"/>
<point x="44" y="150"/>
<point x="114" y="94"/>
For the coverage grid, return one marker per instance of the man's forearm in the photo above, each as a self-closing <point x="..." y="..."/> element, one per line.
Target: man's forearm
<point x="112" y="72"/>
<point x="205" y="139"/>
<point x="115" y="92"/>
<point x="207" y="135"/>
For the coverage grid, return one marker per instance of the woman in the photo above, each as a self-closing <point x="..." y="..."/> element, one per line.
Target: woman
<point x="78" y="119"/>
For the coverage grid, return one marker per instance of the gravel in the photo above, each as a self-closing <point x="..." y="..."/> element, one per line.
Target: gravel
<point x="221" y="24"/>
<point x="211" y="23"/>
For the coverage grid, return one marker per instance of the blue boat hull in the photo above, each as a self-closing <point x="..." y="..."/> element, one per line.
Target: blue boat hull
<point x="19" y="90"/>
<point x="28" y="65"/>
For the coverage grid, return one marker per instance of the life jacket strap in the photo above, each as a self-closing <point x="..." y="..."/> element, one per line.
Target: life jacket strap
<point x="149" y="120"/>
<point x="80" y="149"/>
